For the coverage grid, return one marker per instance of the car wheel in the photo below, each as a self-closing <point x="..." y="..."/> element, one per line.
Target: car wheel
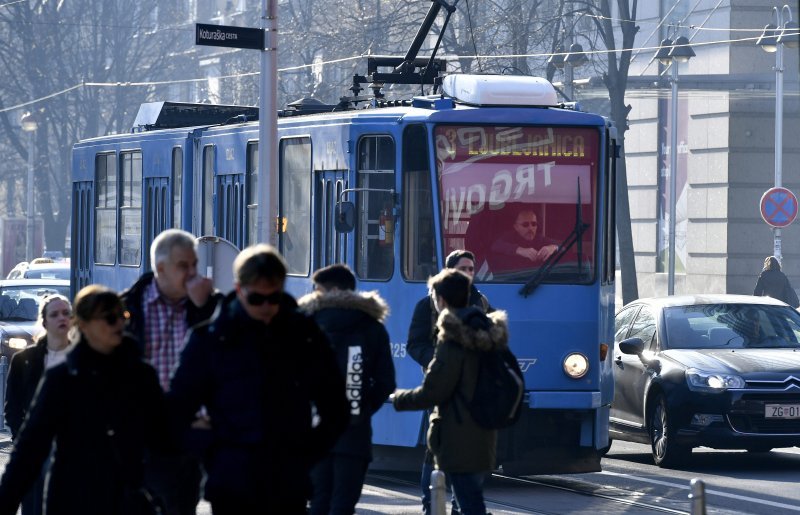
<point x="666" y="452"/>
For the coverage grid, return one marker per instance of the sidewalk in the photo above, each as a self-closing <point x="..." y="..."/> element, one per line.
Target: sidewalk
<point x="5" y="438"/>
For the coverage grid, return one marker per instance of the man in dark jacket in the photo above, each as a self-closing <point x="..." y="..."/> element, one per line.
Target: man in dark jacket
<point x="461" y="448"/>
<point x="353" y="321"/>
<point x="261" y="369"/>
<point x="422" y="343"/>
<point x="163" y="305"/>
<point x="521" y="247"/>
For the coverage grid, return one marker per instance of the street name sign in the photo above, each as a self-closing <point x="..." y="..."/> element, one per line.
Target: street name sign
<point x="228" y="36"/>
<point x="778" y="207"/>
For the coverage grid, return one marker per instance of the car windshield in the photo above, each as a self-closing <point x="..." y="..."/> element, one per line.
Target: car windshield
<point x="731" y="326"/>
<point x="21" y="303"/>
<point x="513" y="195"/>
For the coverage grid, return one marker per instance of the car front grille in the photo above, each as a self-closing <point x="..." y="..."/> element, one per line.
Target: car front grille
<point x="757" y="424"/>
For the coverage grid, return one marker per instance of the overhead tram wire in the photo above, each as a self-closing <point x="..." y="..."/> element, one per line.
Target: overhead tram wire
<point x="248" y="74"/>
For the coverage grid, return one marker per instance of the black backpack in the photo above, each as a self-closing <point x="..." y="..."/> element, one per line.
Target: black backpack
<point x="499" y="390"/>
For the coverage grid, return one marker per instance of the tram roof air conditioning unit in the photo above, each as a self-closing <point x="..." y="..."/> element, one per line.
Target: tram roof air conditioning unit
<point x="500" y="90"/>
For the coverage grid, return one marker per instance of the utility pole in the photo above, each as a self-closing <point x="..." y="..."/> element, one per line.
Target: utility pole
<point x="268" y="128"/>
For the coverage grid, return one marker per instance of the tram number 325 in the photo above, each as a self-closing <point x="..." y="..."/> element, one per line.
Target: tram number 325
<point x="782" y="411"/>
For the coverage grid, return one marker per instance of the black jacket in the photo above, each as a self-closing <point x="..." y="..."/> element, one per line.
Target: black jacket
<point x="259" y="384"/>
<point x="132" y="297"/>
<point x="353" y="323"/>
<point x="775" y="284"/>
<point x="23" y="378"/>
<point x="422" y="331"/>
<point x="102" y="412"/>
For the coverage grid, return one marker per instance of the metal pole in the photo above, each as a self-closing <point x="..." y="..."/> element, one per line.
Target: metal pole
<point x="267" y="127"/>
<point x="568" y="72"/>
<point x="697" y="497"/>
<point x="778" y="129"/>
<point x="29" y="207"/>
<point x="438" y="493"/>
<point x="3" y="373"/>
<point x="673" y="169"/>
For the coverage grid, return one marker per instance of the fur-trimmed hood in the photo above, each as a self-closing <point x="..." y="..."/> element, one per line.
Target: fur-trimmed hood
<point x="370" y="303"/>
<point x="473" y="329"/>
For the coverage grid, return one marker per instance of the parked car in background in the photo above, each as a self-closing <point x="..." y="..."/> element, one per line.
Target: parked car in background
<point x="19" y="308"/>
<point x="40" y="268"/>
<point x="720" y="371"/>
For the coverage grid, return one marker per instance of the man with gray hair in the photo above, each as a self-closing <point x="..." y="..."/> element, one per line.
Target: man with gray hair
<point x="163" y="305"/>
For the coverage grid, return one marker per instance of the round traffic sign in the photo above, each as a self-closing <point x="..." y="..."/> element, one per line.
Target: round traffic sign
<point x="778" y="207"/>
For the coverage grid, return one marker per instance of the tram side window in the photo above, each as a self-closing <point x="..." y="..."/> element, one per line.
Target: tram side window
<point x="177" y="186"/>
<point x="419" y="243"/>
<point x="375" y="231"/>
<point x="252" y="192"/>
<point x="207" y="219"/>
<point x="295" y="204"/>
<point x="130" y="209"/>
<point x="105" y="228"/>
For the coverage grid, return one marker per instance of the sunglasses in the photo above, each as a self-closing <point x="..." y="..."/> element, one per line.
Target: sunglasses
<point x="257" y="299"/>
<point x="528" y="224"/>
<point x="112" y="318"/>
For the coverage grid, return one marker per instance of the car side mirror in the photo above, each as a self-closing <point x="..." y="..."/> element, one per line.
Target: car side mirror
<point x="344" y="215"/>
<point x="633" y="346"/>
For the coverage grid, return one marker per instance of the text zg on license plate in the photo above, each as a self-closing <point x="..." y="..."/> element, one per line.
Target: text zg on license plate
<point x="782" y="411"/>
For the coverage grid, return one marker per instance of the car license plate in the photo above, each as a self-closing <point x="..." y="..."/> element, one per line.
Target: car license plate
<point x="782" y="411"/>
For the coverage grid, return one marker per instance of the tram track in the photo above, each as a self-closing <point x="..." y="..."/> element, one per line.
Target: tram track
<point x="568" y="486"/>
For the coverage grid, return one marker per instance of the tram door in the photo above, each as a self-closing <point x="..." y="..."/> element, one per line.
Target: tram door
<point x="329" y="246"/>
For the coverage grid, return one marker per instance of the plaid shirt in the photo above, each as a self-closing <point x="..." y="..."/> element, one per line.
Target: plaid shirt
<point x="165" y="329"/>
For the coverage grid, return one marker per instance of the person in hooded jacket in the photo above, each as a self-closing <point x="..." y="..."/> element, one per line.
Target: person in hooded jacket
<point x="461" y="448"/>
<point x="260" y="368"/>
<point x="353" y="322"/>
<point x="774" y="283"/>
<point x="100" y="411"/>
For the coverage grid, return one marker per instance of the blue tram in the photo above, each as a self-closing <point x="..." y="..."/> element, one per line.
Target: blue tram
<point x="476" y="167"/>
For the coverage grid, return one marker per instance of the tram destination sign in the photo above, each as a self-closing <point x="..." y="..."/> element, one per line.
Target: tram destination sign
<point x="229" y="36"/>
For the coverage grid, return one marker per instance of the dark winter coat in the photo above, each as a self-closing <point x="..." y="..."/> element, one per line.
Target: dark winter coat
<point x="24" y="374"/>
<point x="353" y="322"/>
<point x="259" y="384"/>
<point x="422" y="331"/>
<point x="458" y="444"/>
<point x="102" y="412"/>
<point x="133" y="297"/>
<point x="775" y="284"/>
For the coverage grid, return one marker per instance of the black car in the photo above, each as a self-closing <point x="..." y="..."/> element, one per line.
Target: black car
<point x="719" y="371"/>
<point x="19" y="309"/>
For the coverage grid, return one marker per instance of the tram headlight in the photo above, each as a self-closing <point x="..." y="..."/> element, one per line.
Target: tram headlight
<point x="576" y="365"/>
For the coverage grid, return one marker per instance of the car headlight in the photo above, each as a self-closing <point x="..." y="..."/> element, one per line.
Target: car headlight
<point x="17" y="343"/>
<point x="700" y="381"/>
<point x="576" y="365"/>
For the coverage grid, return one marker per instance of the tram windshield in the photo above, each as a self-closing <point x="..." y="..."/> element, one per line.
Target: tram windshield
<point x="514" y="196"/>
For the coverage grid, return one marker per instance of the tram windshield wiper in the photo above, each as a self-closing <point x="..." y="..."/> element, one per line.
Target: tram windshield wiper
<point x="574" y="237"/>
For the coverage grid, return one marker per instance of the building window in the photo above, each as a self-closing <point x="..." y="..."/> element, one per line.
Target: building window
<point x="294" y="221"/>
<point x="130" y="209"/>
<point x="105" y="227"/>
<point x="376" y="223"/>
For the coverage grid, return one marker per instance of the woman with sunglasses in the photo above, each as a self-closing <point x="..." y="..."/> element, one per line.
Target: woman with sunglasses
<point x="102" y="408"/>
<point x="26" y="370"/>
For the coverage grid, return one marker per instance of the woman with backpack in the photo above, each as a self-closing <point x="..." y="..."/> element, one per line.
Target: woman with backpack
<point x="774" y="283"/>
<point x="462" y="448"/>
